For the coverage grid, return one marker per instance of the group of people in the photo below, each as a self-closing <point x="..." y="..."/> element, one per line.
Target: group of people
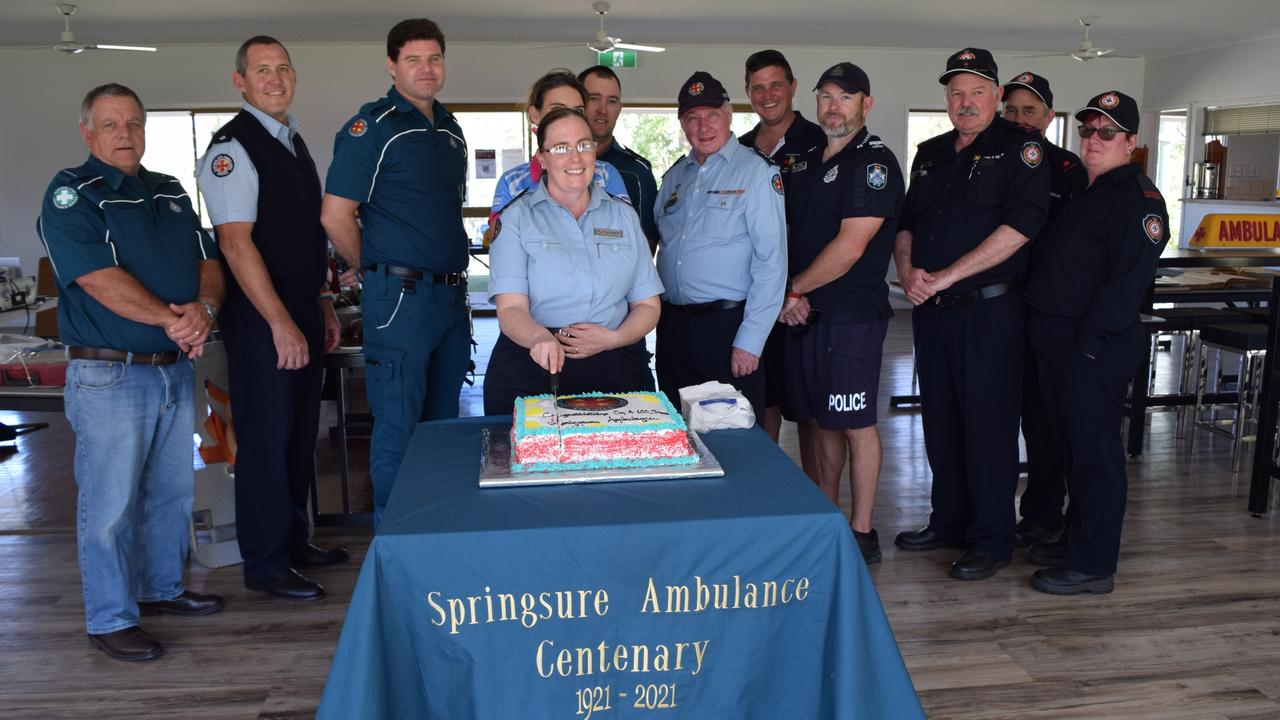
<point x="1026" y="264"/>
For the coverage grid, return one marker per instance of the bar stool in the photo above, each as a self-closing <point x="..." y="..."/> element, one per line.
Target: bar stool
<point x="1249" y="341"/>
<point x="1185" y="322"/>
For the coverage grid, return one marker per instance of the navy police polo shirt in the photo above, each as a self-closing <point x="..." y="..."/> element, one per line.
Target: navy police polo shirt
<point x="409" y="177"/>
<point x="94" y="217"/>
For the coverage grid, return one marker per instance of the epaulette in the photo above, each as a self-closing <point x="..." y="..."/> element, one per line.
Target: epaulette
<point x="673" y="166"/>
<point x="623" y="198"/>
<point x="519" y="195"/>
<point x="221" y="137"/>
<point x="1148" y="188"/>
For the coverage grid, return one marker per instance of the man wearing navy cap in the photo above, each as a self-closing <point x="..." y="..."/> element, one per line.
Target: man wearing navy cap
<point x="402" y="162"/>
<point x="978" y="194"/>
<point x="842" y="218"/>
<point x="139" y="286"/>
<point x="1028" y="100"/>
<point x="788" y="139"/>
<point x="722" y="255"/>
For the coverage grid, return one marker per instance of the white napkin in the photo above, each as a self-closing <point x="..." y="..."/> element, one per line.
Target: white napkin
<point x="715" y="406"/>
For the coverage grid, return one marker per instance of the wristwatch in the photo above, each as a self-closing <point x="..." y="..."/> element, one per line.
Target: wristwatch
<point x="210" y="308"/>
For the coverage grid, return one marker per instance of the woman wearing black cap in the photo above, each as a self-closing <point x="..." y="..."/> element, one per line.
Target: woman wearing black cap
<point x="1090" y="271"/>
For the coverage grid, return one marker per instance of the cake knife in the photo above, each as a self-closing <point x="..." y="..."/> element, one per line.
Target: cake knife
<point x="555" y="409"/>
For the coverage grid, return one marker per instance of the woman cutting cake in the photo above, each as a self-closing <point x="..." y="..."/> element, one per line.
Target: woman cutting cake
<point x="571" y="275"/>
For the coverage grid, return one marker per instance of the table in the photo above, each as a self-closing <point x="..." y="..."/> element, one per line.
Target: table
<point x="612" y="577"/>
<point x="1173" y="257"/>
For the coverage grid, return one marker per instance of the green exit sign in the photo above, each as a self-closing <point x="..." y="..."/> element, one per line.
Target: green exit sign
<point x="618" y="58"/>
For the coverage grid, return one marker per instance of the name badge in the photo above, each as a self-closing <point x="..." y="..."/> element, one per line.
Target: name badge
<point x="606" y="232"/>
<point x="735" y="191"/>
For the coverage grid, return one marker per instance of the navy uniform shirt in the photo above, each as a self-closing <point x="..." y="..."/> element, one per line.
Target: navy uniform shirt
<point x="587" y="269"/>
<point x="862" y="180"/>
<point x="409" y="177"/>
<point x="93" y="217"/>
<point x="795" y="152"/>
<point x="1066" y="178"/>
<point x="1098" y="259"/>
<point x="637" y="175"/>
<point x="724" y="237"/>
<point x="956" y="200"/>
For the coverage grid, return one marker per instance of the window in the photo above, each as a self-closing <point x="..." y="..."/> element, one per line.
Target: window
<point x="176" y="139"/>
<point x="922" y="125"/>
<point x="1171" y="163"/>
<point x="655" y="133"/>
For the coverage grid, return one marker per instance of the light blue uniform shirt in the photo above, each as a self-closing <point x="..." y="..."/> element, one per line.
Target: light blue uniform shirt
<point x="572" y="270"/>
<point x="232" y="195"/>
<point x="520" y="178"/>
<point x="723" y="229"/>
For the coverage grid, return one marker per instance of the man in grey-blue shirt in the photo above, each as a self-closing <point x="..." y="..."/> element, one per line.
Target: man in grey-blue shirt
<point x="722" y="256"/>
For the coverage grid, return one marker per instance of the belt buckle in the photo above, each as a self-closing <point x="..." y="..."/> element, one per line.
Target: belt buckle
<point x="939" y="300"/>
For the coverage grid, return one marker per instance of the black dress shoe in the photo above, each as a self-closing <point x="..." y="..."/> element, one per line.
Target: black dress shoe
<point x="923" y="539"/>
<point x="188" y="603"/>
<point x="976" y="565"/>
<point x="290" y="585"/>
<point x="1032" y="531"/>
<point x="1052" y="554"/>
<point x="868" y="545"/>
<point x="1061" y="581"/>
<point x="131" y="643"/>
<point x="310" y="556"/>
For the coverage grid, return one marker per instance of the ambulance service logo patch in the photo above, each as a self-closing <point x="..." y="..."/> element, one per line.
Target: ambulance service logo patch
<point x="831" y="175"/>
<point x="222" y="165"/>
<point x="777" y="183"/>
<point x="358" y="128"/>
<point x="966" y="55"/>
<point x="1109" y="100"/>
<point x="696" y="88"/>
<point x="1031" y="154"/>
<point x="174" y="207"/>
<point x="1153" y="226"/>
<point x="64" y="197"/>
<point x="877" y="176"/>
<point x="1024" y="78"/>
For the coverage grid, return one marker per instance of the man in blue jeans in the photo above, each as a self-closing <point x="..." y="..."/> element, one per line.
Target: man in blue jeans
<point x="139" y="286"/>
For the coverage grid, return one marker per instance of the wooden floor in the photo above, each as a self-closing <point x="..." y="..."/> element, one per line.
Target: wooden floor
<point x="1192" y="630"/>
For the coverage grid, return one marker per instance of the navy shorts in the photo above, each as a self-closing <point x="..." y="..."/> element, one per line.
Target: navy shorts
<point x="833" y="374"/>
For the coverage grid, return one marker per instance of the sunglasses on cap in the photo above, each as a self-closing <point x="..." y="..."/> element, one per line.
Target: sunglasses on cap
<point x="1106" y="133"/>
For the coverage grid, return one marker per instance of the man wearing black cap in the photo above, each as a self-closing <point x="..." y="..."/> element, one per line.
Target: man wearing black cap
<point x="978" y="194"/>
<point x="788" y="139"/>
<point x="842" y="218"/>
<point x="1091" y="271"/>
<point x="722" y="255"/>
<point x="1028" y="100"/>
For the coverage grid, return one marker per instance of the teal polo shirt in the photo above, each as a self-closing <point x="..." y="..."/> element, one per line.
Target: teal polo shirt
<point x="93" y="217"/>
<point x="409" y="177"/>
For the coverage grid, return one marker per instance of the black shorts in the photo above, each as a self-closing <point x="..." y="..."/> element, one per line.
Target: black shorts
<point x="833" y="374"/>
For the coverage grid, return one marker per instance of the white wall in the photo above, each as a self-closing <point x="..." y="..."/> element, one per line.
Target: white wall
<point x="1231" y="75"/>
<point x="38" y="132"/>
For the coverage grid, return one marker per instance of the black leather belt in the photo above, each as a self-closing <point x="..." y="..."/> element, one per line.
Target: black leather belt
<point x="706" y="307"/>
<point x="945" y="299"/>
<point x="408" y="273"/>
<point x="88" y="353"/>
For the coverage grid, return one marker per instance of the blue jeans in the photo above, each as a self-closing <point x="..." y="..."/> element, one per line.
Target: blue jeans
<point x="417" y="345"/>
<point x="133" y="426"/>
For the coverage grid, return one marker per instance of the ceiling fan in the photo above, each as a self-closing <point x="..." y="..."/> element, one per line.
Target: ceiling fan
<point x="603" y="42"/>
<point x="69" y="45"/>
<point x="1087" y="51"/>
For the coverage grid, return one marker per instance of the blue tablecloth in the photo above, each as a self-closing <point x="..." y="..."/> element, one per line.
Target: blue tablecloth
<point x="616" y="600"/>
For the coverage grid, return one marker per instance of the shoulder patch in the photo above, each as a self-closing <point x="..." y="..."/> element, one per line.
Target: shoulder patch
<point x="64" y="197"/>
<point x="222" y="165"/>
<point x="496" y="229"/>
<point x="877" y="176"/>
<point x="1153" y="226"/>
<point x="358" y="127"/>
<point x="1032" y="154"/>
<point x="777" y="184"/>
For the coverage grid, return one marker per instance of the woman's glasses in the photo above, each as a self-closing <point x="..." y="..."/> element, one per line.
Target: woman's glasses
<point x="1106" y="133"/>
<point x="583" y="147"/>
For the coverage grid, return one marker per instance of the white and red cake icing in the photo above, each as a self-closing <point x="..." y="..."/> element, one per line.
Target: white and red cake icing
<point x="595" y="430"/>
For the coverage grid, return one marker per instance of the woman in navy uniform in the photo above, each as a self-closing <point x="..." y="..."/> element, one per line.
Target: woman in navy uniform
<point x="572" y="278"/>
<point x="1091" y="269"/>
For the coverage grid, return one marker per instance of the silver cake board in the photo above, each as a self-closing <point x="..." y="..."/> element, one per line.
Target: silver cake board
<point x="495" y="466"/>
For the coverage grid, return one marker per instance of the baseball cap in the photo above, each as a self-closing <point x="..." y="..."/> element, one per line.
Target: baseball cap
<point x="848" y="76"/>
<point x="970" y="60"/>
<point x="1035" y="83"/>
<point x="700" y="90"/>
<point x="1122" y="109"/>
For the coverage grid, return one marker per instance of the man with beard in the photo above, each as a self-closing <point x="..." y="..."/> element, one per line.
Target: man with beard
<point x="978" y="194"/>
<point x="842" y="219"/>
<point x="789" y="140"/>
